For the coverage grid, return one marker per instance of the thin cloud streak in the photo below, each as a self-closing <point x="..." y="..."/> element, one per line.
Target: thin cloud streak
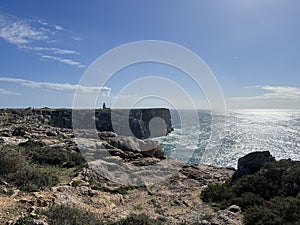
<point x="274" y="92"/>
<point x="59" y="28"/>
<point x="105" y="91"/>
<point x="7" y="92"/>
<point x="77" y="38"/>
<point x="51" y="50"/>
<point x="65" y="61"/>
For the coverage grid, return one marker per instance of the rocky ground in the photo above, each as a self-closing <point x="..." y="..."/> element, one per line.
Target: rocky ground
<point x="159" y="187"/>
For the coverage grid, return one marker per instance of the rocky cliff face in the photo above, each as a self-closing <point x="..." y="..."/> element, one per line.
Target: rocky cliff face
<point x="158" y="186"/>
<point x="251" y="163"/>
<point x="141" y="123"/>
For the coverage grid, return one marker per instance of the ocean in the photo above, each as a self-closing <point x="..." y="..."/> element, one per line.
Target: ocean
<point x="203" y="137"/>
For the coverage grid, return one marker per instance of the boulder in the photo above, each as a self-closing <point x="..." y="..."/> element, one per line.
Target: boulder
<point x="2" y="140"/>
<point x="51" y="133"/>
<point x="106" y="135"/>
<point x="251" y="163"/>
<point x="148" y="148"/>
<point x="19" y="131"/>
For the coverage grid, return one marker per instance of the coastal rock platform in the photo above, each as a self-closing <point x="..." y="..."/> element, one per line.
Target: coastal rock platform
<point x="172" y="193"/>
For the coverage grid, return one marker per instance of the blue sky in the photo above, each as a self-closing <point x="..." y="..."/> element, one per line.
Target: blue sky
<point x="252" y="46"/>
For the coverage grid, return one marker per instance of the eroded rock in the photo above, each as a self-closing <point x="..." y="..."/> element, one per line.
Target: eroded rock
<point x="251" y="163"/>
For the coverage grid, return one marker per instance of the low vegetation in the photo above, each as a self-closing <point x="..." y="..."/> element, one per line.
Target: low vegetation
<point x="49" y="156"/>
<point x="271" y="196"/>
<point x="140" y="219"/>
<point x="268" y="197"/>
<point x="70" y="215"/>
<point x="34" y="166"/>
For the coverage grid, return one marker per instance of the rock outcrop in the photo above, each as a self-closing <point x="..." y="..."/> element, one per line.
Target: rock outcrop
<point x="141" y="123"/>
<point x="251" y="163"/>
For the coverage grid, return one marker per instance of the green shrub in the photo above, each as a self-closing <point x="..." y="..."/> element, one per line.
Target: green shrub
<point x="278" y="211"/>
<point x="47" y="156"/>
<point x="268" y="197"/>
<point x="74" y="159"/>
<point x="246" y="200"/>
<point x="141" y="219"/>
<point x="32" y="144"/>
<point x="12" y="157"/>
<point x="256" y="183"/>
<point x="218" y="195"/>
<point x="23" y="220"/>
<point x="40" y="154"/>
<point x="32" y="166"/>
<point x="11" y="160"/>
<point x="124" y="189"/>
<point x="69" y="215"/>
<point x="33" y="178"/>
<point x="16" y="169"/>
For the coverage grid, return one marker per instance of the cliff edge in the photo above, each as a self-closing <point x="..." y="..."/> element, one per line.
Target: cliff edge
<point x="140" y="123"/>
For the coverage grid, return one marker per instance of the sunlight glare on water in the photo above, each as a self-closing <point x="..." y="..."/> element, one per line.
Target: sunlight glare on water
<point x="277" y="131"/>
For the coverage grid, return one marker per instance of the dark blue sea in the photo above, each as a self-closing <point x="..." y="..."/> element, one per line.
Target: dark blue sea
<point x="218" y="139"/>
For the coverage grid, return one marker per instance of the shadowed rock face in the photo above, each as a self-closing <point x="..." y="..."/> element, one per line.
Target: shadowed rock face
<point x="140" y="123"/>
<point x="251" y="163"/>
<point x="125" y="122"/>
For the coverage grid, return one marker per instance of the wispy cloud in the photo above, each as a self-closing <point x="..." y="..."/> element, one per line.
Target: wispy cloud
<point x="18" y="32"/>
<point x="7" y="92"/>
<point x="51" y="50"/>
<point x="65" y="61"/>
<point x="274" y="92"/>
<point x="59" y="28"/>
<point x="77" y="38"/>
<point x="105" y="91"/>
<point x="37" y="36"/>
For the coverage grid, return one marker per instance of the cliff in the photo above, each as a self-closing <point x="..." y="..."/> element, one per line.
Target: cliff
<point x="44" y="167"/>
<point x="49" y="176"/>
<point x="141" y="123"/>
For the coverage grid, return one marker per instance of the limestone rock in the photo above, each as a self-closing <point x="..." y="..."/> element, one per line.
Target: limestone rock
<point x="229" y="216"/>
<point x="37" y="222"/>
<point x="147" y="148"/>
